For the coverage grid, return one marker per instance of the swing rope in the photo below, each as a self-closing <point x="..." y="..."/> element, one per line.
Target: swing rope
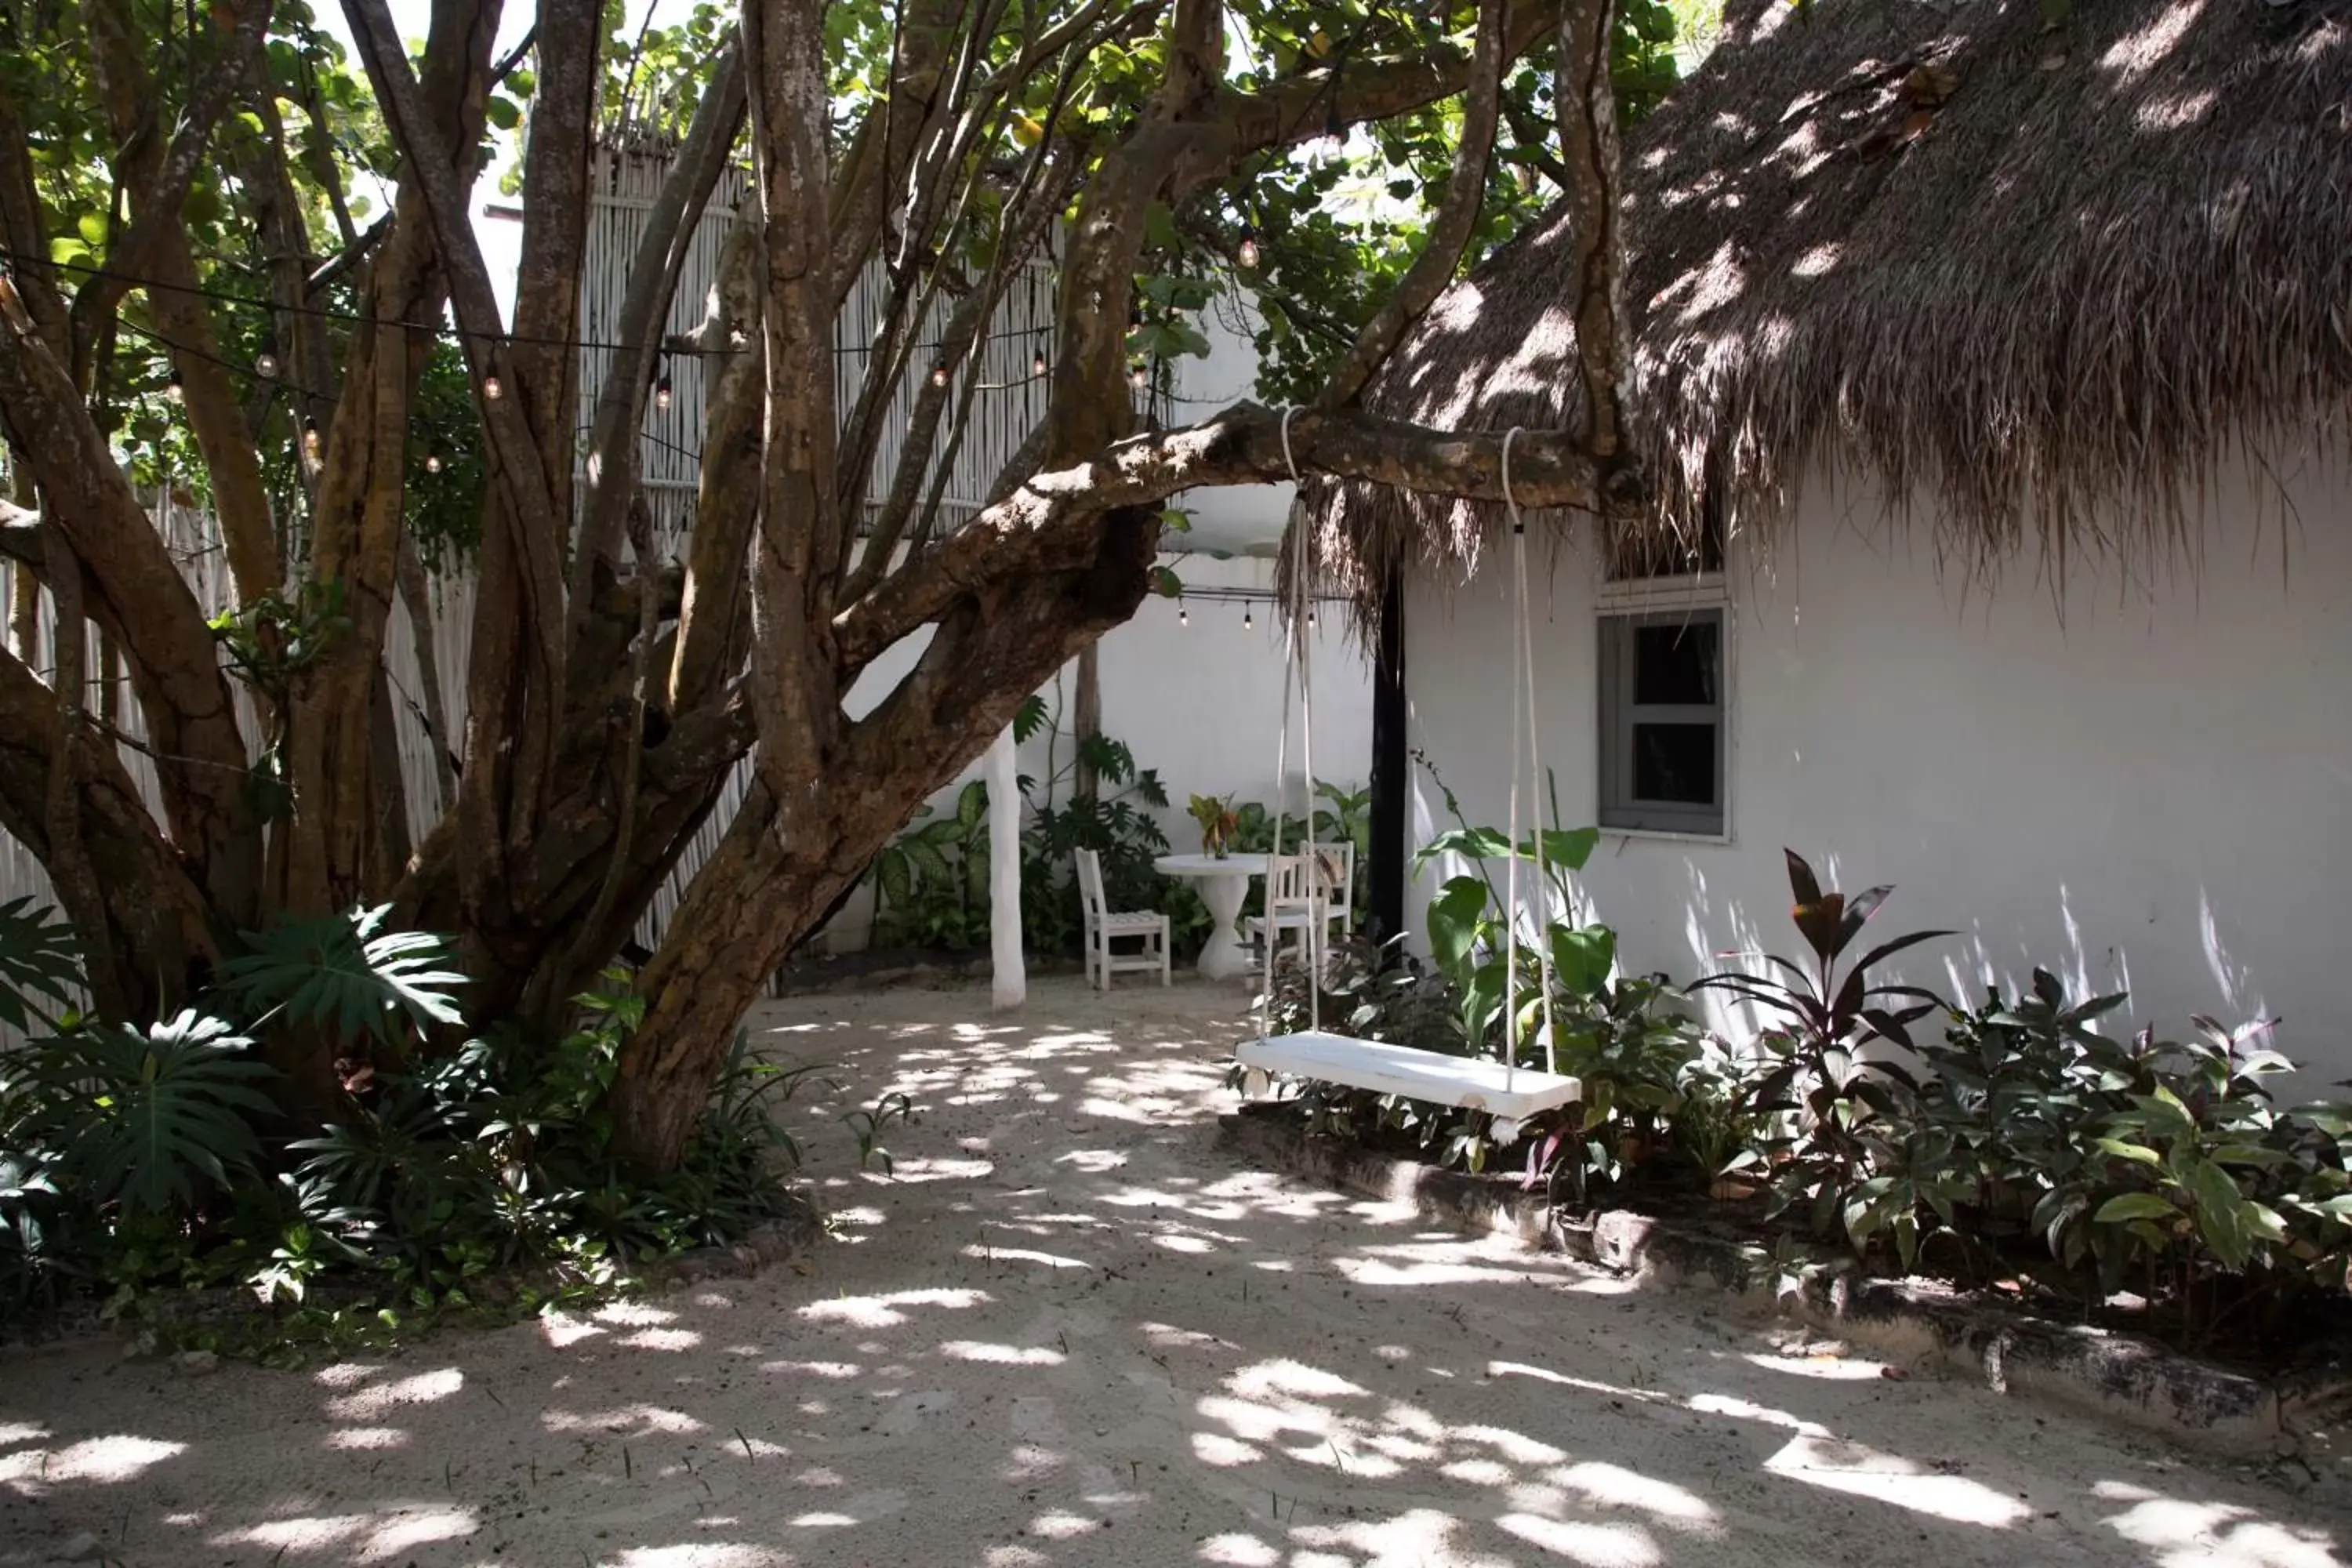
<point x="1524" y="742"/>
<point x="1470" y="1081"/>
<point x="1296" y="667"/>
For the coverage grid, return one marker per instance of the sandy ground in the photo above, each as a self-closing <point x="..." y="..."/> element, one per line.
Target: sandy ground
<point x="1068" y="1333"/>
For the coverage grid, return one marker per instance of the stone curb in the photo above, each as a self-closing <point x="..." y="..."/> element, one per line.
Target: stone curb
<point x="2129" y="1381"/>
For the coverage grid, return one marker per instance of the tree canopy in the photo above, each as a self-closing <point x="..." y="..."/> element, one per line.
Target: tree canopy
<point x="241" y="271"/>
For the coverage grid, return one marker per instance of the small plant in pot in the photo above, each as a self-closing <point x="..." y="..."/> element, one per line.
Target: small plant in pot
<point x="1219" y="822"/>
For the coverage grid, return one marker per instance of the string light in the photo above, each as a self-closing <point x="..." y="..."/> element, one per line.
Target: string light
<point x="268" y="364"/>
<point x="1247" y="256"/>
<point x="173" y="390"/>
<point x="1140" y="375"/>
<point x="662" y="393"/>
<point x="491" y="389"/>
<point x="939" y="374"/>
<point x="310" y="439"/>
<point x="1037" y="363"/>
<point x="432" y="462"/>
<point x="1310" y="620"/>
<point x="1247" y="621"/>
<point x="1183" y="616"/>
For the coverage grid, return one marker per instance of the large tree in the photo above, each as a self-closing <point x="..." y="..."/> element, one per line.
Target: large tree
<point x="196" y="296"/>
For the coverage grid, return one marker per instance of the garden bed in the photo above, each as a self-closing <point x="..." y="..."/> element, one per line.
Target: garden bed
<point x="2118" y="1376"/>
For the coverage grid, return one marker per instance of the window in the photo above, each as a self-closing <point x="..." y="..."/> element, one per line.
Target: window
<point x="1663" y="757"/>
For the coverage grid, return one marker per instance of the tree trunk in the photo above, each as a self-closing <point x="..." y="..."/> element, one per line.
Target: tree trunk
<point x="1087" y="723"/>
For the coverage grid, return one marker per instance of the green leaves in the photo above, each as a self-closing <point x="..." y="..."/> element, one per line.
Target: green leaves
<point x="148" y="1118"/>
<point x="40" y="961"/>
<point x="347" y="974"/>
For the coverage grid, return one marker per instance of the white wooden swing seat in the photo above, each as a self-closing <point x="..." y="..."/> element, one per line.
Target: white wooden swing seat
<point x="1469" y="1083"/>
<point x="1508" y="1093"/>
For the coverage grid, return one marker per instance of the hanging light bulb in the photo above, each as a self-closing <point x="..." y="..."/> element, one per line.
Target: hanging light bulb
<point x="491" y="389"/>
<point x="310" y="439"/>
<point x="662" y="393"/>
<point x="1183" y="616"/>
<point x="1141" y="374"/>
<point x="939" y="374"/>
<point x="1248" y="620"/>
<point x="1037" y="362"/>
<point x="1247" y="255"/>
<point x="173" y="389"/>
<point x="1310" y="620"/>
<point x="432" y="462"/>
<point x="265" y="367"/>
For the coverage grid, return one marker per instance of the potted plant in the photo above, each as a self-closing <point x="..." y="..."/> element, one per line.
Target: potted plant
<point x="1218" y="823"/>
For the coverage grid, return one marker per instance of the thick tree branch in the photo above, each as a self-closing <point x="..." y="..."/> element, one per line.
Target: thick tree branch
<point x="1449" y="232"/>
<point x="1300" y="111"/>
<point x="797" y="700"/>
<point x="1053" y="521"/>
<point x="157" y="200"/>
<point x="1588" y="123"/>
<point x="518" y="460"/>
<point x="714" y="622"/>
<point x="616" y="447"/>
<point x="156" y="914"/>
<point x="141" y="595"/>
<point x="25" y="229"/>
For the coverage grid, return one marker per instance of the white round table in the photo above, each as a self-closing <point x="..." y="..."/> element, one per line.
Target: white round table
<point x="1223" y="883"/>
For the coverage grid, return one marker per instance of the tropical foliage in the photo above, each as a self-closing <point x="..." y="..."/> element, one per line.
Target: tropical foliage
<point x="2023" y="1142"/>
<point x="481" y="1176"/>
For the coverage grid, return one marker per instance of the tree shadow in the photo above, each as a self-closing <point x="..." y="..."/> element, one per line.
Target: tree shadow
<point x="1071" y="1331"/>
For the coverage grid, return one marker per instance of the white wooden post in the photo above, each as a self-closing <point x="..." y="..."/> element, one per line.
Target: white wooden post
<point x="1011" y="982"/>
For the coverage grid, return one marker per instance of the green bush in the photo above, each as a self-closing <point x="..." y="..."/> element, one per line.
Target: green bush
<point x="2030" y="1141"/>
<point x="135" y="1162"/>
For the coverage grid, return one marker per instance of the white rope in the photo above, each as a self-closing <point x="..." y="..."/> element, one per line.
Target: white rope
<point x="1294" y="668"/>
<point x="1511" y="871"/>
<point x="1525" y="621"/>
<point x="1523" y="719"/>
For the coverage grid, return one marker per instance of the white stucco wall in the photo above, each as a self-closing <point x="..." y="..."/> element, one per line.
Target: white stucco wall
<point x="2143" y="785"/>
<point x="1201" y="702"/>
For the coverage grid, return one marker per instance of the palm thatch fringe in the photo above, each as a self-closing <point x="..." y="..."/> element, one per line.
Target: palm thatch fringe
<point x="2040" y="278"/>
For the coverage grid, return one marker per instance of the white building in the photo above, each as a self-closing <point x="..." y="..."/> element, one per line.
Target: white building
<point x="1995" y="379"/>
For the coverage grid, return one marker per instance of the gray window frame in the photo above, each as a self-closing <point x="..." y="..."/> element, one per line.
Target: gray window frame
<point x="1619" y="713"/>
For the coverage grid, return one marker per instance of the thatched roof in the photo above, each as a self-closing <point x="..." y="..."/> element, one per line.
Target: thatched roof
<point x="2040" y="278"/>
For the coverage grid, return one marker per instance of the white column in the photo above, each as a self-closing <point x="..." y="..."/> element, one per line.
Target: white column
<point x="1011" y="983"/>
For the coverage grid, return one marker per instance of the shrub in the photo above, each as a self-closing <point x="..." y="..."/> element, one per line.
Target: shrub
<point x="141" y="1159"/>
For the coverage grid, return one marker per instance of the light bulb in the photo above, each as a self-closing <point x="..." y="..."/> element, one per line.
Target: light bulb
<point x="1183" y="616"/>
<point x="1247" y="256"/>
<point x="1247" y="621"/>
<point x="491" y="389"/>
<point x="1310" y="620"/>
<point x="265" y="367"/>
<point x="661" y="395"/>
<point x="938" y="375"/>
<point x="310" y="439"/>
<point x="1140" y="375"/>
<point x="1037" y="364"/>
<point x="432" y="462"/>
<point x="174" y="390"/>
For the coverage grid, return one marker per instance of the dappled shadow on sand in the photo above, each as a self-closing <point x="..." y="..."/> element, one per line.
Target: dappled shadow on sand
<point x="1066" y="1330"/>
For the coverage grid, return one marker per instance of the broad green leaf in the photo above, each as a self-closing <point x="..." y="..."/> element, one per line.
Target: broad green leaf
<point x="2134" y="1206"/>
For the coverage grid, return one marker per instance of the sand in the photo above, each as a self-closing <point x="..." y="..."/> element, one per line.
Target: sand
<point x="1069" y="1331"/>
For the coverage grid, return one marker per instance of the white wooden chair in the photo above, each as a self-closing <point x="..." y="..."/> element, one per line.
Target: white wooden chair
<point x="1103" y="927"/>
<point x="1306" y="896"/>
